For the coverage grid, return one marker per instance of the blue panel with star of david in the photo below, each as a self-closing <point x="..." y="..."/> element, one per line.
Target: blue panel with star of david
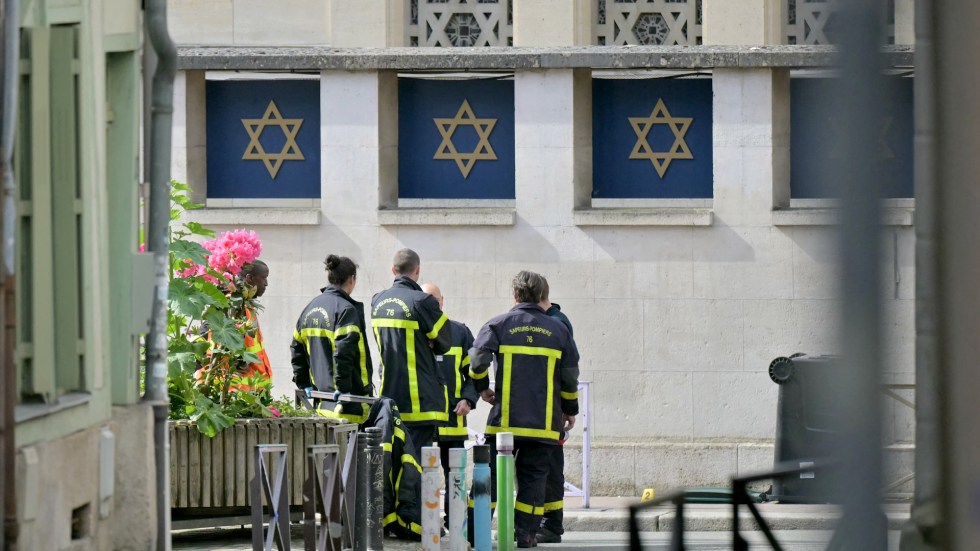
<point x="455" y="139"/>
<point x="651" y="138"/>
<point x="816" y="123"/>
<point x="255" y="120"/>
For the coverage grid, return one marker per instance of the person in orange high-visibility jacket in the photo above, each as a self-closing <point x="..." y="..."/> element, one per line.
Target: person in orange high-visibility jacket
<point x="256" y="276"/>
<point x="256" y="280"/>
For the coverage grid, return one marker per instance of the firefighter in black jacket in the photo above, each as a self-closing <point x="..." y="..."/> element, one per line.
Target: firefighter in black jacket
<point x="329" y="349"/>
<point x="454" y="367"/>
<point x="536" y="394"/>
<point x="411" y="330"/>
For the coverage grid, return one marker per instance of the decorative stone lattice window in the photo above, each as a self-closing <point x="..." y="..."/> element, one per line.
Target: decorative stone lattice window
<point x="460" y="23"/>
<point x="814" y="21"/>
<point x="648" y="22"/>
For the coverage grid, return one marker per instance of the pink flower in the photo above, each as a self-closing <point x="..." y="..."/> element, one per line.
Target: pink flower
<point x="229" y="252"/>
<point x="275" y="412"/>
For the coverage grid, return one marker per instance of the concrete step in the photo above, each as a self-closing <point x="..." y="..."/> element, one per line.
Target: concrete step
<point x="607" y="514"/>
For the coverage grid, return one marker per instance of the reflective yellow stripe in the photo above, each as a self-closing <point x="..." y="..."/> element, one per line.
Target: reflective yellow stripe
<point x="474" y="375"/>
<point x="456" y="352"/>
<point x="299" y="337"/>
<point x="389" y="519"/>
<point x="360" y="349"/>
<point x="453" y="431"/>
<point x="435" y="328"/>
<point x="549" y="407"/>
<point x="413" y="376"/>
<point x="396" y="324"/>
<point x="569" y="395"/>
<point x="377" y="340"/>
<point x="425" y="416"/>
<point x="399" y="433"/>
<point x="553" y="506"/>
<point x="505" y="391"/>
<point x="529" y="433"/>
<point x="528" y="509"/>
<point x="508" y="352"/>
<point x="531" y="351"/>
<point x="337" y="413"/>
<point x="317" y="332"/>
<point x="466" y="360"/>
<point x="386" y="446"/>
<point x="407" y="458"/>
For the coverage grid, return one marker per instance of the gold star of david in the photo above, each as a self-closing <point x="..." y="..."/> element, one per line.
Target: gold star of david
<point x="483" y="150"/>
<point x="290" y="150"/>
<point x="678" y="125"/>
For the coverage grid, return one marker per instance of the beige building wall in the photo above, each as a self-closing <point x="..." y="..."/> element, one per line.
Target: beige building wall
<point x="677" y="312"/>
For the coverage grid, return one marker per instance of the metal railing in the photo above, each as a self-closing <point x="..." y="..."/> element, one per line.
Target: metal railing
<point x="740" y="497"/>
<point x="276" y="496"/>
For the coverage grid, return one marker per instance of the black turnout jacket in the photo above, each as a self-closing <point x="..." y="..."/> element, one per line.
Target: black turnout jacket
<point x="330" y="351"/>
<point x="536" y="377"/>
<point x="405" y="321"/>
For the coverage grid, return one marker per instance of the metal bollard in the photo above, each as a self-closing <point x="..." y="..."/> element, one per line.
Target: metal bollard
<point x="456" y="494"/>
<point x="369" y="508"/>
<point x="361" y="485"/>
<point x="505" y="491"/>
<point x="481" y="499"/>
<point x="431" y="504"/>
<point x="376" y="485"/>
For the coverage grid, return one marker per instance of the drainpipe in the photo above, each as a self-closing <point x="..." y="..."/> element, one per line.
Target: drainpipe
<point x="161" y="119"/>
<point x="922" y="532"/>
<point x="9" y="22"/>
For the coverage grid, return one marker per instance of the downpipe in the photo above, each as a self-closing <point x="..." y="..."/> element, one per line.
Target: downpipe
<point x="161" y="121"/>
<point x="9" y="22"/>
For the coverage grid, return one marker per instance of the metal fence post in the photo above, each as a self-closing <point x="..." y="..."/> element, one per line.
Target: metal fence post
<point x="481" y="498"/>
<point x="277" y="496"/>
<point x="431" y="506"/>
<point x="375" y="489"/>
<point x="505" y="491"/>
<point x="456" y="494"/>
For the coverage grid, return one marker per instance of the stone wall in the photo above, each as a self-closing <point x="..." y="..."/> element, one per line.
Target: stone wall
<point x="93" y="489"/>
<point x="677" y="309"/>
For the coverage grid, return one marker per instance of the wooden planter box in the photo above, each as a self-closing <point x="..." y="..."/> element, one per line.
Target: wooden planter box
<point x="210" y="476"/>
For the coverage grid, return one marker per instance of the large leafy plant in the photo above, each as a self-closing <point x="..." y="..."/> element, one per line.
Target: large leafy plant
<point x="207" y="324"/>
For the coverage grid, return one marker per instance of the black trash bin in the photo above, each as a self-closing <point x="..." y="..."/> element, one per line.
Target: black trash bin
<point x="805" y="425"/>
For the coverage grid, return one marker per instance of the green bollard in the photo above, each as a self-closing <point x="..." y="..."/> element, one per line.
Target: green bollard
<point x="505" y="491"/>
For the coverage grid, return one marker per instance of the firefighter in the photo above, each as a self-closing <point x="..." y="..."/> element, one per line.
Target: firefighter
<point x="329" y="348"/>
<point x="552" y="527"/>
<point x="411" y="330"/>
<point x="535" y="395"/>
<point x="454" y="366"/>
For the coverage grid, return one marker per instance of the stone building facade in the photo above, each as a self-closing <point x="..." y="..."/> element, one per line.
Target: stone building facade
<point x="678" y="304"/>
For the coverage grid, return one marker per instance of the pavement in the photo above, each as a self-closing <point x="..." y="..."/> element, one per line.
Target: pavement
<point x="603" y="526"/>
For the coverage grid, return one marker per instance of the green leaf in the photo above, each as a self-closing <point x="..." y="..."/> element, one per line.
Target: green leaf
<point x="225" y="331"/>
<point x="209" y="417"/>
<point x="184" y="300"/>
<point x="214" y="296"/>
<point x="185" y="361"/>
<point x="189" y="250"/>
<point x="196" y="228"/>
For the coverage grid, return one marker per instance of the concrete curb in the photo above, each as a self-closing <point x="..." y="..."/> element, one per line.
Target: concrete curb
<point x="715" y="518"/>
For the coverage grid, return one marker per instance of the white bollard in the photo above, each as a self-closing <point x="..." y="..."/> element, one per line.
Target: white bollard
<point x="456" y="494"/>
<point x="431" y="502"/>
